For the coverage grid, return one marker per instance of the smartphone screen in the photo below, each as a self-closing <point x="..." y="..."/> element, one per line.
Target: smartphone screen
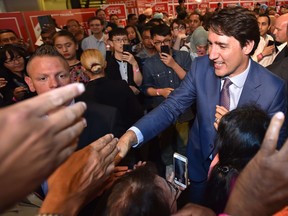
<point x="270" y="43"/>
<point x="45" y="20"/>
<point x="127" y="48"/>
<point x="165" y="49"/>
<point x="180" y="170"/>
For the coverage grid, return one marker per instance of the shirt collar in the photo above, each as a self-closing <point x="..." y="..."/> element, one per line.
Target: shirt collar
<point x="239" y="80"/>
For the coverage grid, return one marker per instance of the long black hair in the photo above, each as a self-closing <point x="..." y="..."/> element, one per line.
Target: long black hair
<point x="240" y="134"/>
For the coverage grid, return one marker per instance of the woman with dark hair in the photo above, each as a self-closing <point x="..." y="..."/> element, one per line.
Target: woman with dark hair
<point x="66" y="44"/>
<point x="240" y="134"/>
<point x="134" y="38"/>
<point x="13" y="69"/>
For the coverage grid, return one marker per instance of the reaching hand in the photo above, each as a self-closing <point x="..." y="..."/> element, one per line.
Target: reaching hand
<point x="33" y="144"/>
<point x="81" y="177"/>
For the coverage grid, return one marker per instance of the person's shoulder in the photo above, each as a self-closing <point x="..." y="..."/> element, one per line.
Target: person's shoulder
<point x="88" y="38"/>
<point x="202" y="60"/>
<point x="152" y="59"/>
<point x="264" y="74"/>
<point x="181" y="53"/>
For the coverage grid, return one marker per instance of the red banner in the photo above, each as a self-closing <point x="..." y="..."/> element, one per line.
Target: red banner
<point x="131" y="5"/>
<point x="247" y="4"/>
<point x="118" y="9"/>
<point x="61" y="17"/>
<point x="15" y="22"/>
<point x="160" y="7"/>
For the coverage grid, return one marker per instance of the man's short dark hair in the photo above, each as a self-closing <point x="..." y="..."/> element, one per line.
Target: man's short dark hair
<point x="130" y="16"/>
<point x="117" y="32"/>
<point x="95" y="18"/>
<point x="265" y="15"/>
<point x="48" y="51"/>
<point x="237" y="22"/>
<point x="99" y="10"/>
<point x="145" y="28"/>
<point x="162" y="30"/>
<point x="2" y="31"/>
<point x="199" y="15"/>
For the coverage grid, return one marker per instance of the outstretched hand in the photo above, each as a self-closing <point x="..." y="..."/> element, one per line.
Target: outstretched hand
<point x="80" y="179"/>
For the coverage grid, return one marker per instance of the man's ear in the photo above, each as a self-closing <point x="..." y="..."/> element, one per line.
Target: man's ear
<point x="29" y="82"/>
<point x="109" y="42"/>
<point x="248" y="47"/>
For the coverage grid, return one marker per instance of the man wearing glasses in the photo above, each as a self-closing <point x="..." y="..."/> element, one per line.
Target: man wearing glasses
<point x="162" y="73"/>
<point x="97" y="39"/>
<point x="122" y="64"/>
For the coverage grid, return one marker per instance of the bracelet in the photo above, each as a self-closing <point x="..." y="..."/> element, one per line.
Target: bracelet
<point x="157" y="92"/>
<point x="136" y="70"/>
<point x="260" y="56"/>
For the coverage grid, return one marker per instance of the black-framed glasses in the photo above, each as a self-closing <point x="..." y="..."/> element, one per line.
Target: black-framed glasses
<point x="119" y="40"/>
<point x="165" y="42"/>
<point x="12" y="61"/>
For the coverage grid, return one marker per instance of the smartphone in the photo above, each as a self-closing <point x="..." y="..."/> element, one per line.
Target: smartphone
<point x="165" y="49"/>
<point x="180" y="163"/>
<point x="127" y="48"/>
<point x="45" y="21"/>
<point x="270" y="43"/>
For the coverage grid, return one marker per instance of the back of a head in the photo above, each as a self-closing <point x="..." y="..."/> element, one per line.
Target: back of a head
<point x="236" y="22"/>
<point x="137" y="194"/>
<point x="142" y="18"/>
<point x="240" y="134"/>
<point x="92" y="60"/>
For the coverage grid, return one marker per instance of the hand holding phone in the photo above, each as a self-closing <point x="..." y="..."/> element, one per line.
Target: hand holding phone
<point x="127" y="48"/>
<point x="270" y="43"/>
<point x="46" y="22"/>
<point x="165" y="49"/>
<point x="180" y="163"/>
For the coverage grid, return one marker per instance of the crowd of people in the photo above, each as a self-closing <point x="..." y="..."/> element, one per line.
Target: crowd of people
<point x="212" y="87"/>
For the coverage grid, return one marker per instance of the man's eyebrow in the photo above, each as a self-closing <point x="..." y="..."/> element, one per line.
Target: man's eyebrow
<point x="218" y="43"/>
